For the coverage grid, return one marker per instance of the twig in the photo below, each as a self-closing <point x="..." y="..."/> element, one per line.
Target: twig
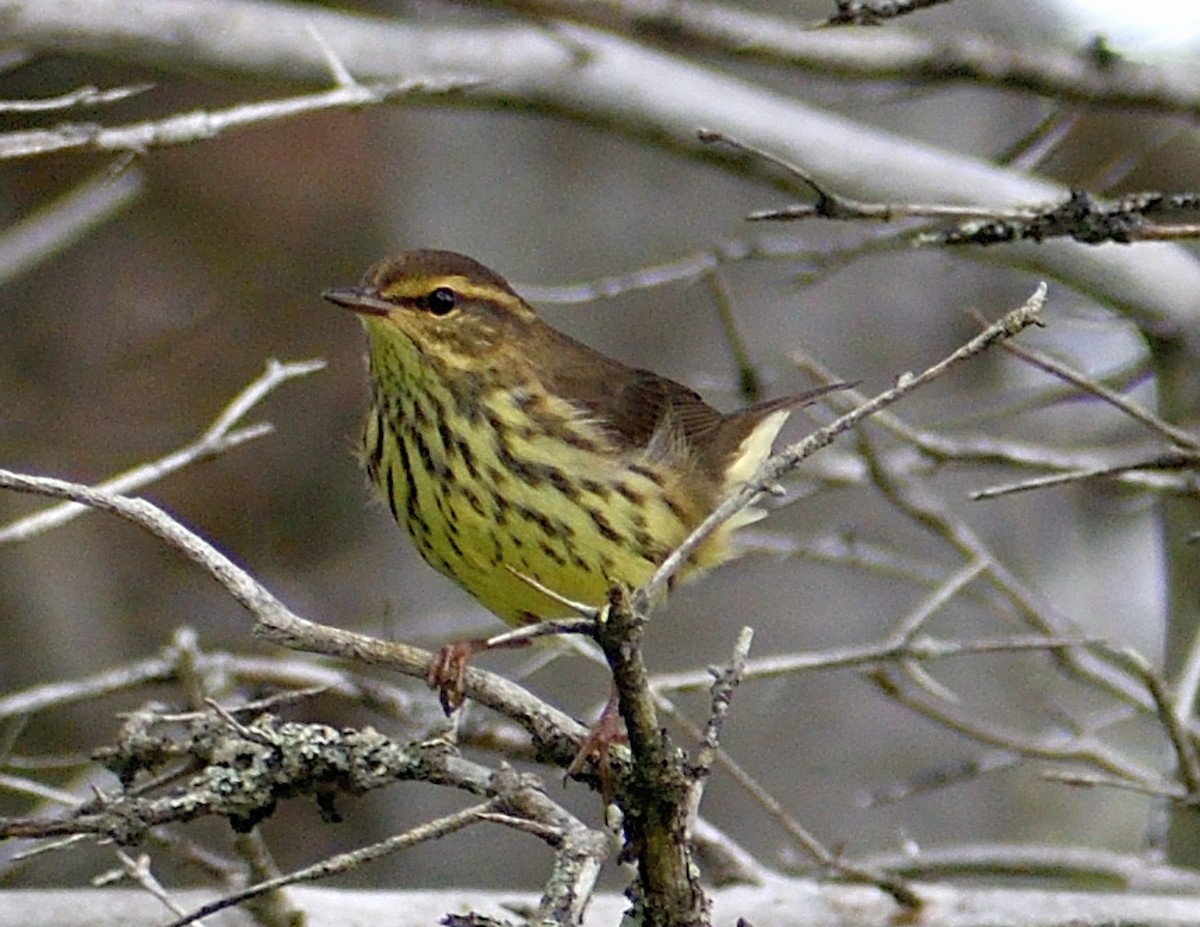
<point x="344" y="862"/>
<point x="1177" y="460"/>
<point x="836" y="206"/>
<point x="1026" y="861"/>
<point x="1186" y="762"/>
<point x="749" y="382"/>
<point x="776" y="466"/>
<point x="919" y="648"/>
<point x="554" y="732"/>
<point x="1153" y="788"/>
<point x="984" y="448"/>
<point x="59" y="694"/>
<point x="1047" y="747"/>
<point x="217" y="439"/>
<point x="721" y="694"/>
<point x="552" y="627"/>
<point x="39" y="790"/>
<point x="65" y="220"/>
<point x="187" y="128"/>
<point x="139" y="871"/>
<point x="1131" y="409"/>
<point x="82" y="96"/>
<point x="909" y="626"/>
<point x="271" y="908"/>
<point x="929" y="512"/>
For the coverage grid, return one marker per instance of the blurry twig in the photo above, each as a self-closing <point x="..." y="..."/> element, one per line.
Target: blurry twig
<point x="1055" y="73"/>
<point x="81" y="96"/>
<point x="918" y="648"/>
<point x="935" y="447"/>
<point x="1182" y="461"/>
<point x="1053" y="746"/>
<point x="138" y="870"/>
<point x="1025" y="861"/>
<point x="1140" y="414"/>
<point x="186" y="128"/>
<point x="65" y="220"/>
<point x="217" y="439"/>
<point x="344" y="862"/>
<point x="1011" y="324"/>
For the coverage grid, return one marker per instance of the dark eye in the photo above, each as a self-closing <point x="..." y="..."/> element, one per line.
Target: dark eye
<point x="441" y="300"/>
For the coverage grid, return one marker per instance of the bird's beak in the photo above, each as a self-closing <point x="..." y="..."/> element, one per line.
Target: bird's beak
<point x="362" y="300"/>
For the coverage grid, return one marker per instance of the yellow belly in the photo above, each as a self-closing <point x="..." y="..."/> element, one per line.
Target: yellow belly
<point x="486" y="503"/>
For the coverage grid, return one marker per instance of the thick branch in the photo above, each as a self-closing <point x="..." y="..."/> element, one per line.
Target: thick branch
<point x="602" y="79"/>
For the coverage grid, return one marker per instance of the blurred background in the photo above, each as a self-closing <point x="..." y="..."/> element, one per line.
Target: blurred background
<point x="127" y="344"/>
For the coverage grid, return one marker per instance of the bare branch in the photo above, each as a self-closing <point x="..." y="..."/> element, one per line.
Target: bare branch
<point x="867" y="655"/>
<point x="776" y="466"/>
<point x="345" y="862"/>
<point x="201" y="125"/>
<point x="1087" y="76"/>
<point x="65" y="220"/>
<point x="218" y="438"/>
<point x="80" y="97"/>
<point x="555" y="732"/>
<point x="1135" y="411"/>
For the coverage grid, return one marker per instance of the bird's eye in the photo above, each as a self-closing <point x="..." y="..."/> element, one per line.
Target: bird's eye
<point x="441" y="300"/>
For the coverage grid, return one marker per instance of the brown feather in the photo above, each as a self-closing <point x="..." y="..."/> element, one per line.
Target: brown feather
<point x="638" y="404"/>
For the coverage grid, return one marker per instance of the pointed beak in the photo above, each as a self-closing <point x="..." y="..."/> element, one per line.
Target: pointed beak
<point x="362" y="300"/>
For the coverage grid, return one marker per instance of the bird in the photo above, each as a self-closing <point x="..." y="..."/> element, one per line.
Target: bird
<point x="526" y="466"/>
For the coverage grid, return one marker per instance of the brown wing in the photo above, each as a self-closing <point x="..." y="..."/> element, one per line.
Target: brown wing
<point x="639" y="404"/>
<point x="632" y="402"/>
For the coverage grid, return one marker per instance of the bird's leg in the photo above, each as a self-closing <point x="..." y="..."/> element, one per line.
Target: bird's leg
<point x="599" y="740"/>
<point x="447" y="671"/>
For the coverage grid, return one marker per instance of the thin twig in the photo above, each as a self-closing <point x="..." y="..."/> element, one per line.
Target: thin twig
<point x="82" y="96"/>
<point x="65" y="220"/>
<point x="1173" y="460"/>
<point x="1072" y="748"/>
<point x="721" y="693"/>
<point x="984" y="448"/>
<point x="218" y="438"/>
<point x="859" y="655"/>
<point x="139" y="871"/>
<point x="344" y="862"/>
<point x="1143" y="416"/>
<point x="1187" y="764"/>
<point x="201" y="125"/>
<point x="909" y="626"/>
<point x="776" y="466"/>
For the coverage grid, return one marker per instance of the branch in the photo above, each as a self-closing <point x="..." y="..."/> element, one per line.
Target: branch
<point x="555" y="733"/>
<point x="1096" y="76"/>
<point x="188" y="128"/>
<point x="217" y="439"/>
<point x="787" y="460"/>
<point x="80" y="97"/>
<point x="583" y="74"/>
<point x="65" y="220"/>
